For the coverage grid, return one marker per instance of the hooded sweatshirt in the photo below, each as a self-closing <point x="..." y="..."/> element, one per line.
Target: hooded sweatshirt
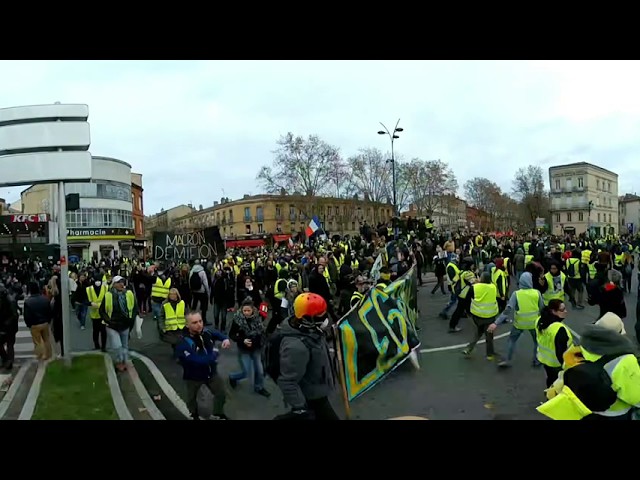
<point x="526" y="283"/>
<point x="199" y="270"/>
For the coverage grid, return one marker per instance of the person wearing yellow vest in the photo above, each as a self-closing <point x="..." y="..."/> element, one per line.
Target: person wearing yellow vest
<point x="159" y="292"/>
<point x="554" y="339"/>
<point x="576" y="286"/>
<point x="172" y="318"/>
<point x="585" y="260"/>
<point x="119" y="311"/>
<point x="461" y="289"/>
<point x="554" y="284"/>
<point x="95" y="296"/>
<point x="453" y="275"/>
<point x="499" y="279"/>
<point x="524" y="306"/>
<point x="484" y="310"/>
<point x="362" y="287"/>
<point x="600" y="377"/>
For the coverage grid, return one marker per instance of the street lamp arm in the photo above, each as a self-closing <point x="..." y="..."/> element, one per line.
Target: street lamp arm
<point x="386" y="129"/>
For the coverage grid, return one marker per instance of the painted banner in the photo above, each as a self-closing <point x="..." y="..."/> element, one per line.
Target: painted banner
<point x="379" y="334"/>
<point x="203" y="244"/>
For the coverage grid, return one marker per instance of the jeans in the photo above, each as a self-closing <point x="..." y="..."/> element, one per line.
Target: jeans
<point x="513" y="339"/>
<point x="518" y="275"/>
<point x="220" y="316"/>
<point x="452" y="302"/>
<point x="247" y="360"/>
<point x="155" y="309"/>
<point x="118" y="342"/>
<point x="81" y="313"/>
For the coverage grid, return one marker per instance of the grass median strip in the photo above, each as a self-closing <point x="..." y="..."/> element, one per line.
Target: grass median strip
<point x="80" y="392"/>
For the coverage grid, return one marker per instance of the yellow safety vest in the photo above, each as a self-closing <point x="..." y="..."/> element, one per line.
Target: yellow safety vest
<point x="484" y="303"/>
<point x="550" y="294"/>
<point x="160" y="290"/>
<point x="94" y="313"/>
<point x="381" y="285"/>
<point x="546" y="353"/>
<point x="453" y="280"/>
<point x="562" y="247"/>
<point x="174" y="319"/>
<point x="108" y="303"/>
<point x="506" y="265"/>
<point x="618" y="260"/>
<point x="623" y="372"/>
<point x="355" y="264"/>
<point x="592" y="270"/>
<point x="428" y="224"/>
<point x="356" y="298"/>
<point x="526" y="246"/>
<point x="576" y="267"/>
<point x="528" y="313"/>
<point x="586" y="256"/>
<point x="279" y="295"/>
<point x="499" y="277"/>
<point x="464" y="279"/>
<point x="528" y="259"/>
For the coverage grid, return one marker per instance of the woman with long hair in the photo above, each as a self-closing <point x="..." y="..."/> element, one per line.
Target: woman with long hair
<point x="554" y="338"/>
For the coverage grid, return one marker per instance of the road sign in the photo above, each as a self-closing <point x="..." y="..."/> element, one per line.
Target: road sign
<point x="540" y="222"/>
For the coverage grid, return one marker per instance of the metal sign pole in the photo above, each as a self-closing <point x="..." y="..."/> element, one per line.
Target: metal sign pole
<point x="64" y="273"/>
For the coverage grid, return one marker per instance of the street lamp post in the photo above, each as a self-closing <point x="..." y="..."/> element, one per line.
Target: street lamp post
<point x="589" y="207"/>
<point x="392" y="136"/>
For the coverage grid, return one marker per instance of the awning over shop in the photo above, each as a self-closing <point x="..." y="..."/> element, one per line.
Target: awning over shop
<point x="281" y="238"/>
<point x="244" y="243"/>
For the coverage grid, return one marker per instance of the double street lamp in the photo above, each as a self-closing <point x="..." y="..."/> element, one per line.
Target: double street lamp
<point x="393" y="136"/>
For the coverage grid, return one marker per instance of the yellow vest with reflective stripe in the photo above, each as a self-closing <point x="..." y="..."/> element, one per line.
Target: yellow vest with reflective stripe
<point x="94" y="313"/>
<point x="592" y="270"/>
<point x="576" y="269"/>
<point x="453" y="280"/>
<point x="499" y="278"/>
<point x="528" y="313"/>
<point x="550" y="294"/>
<point x="618" y="260"/>
<point x="464" y="279"/>
<point x="506" y="265"/>
<point x="546" y="353"/>
<point x="484" y="303"/>
<point x="586" y="256"/>
<point x="528" y="259"/>
<point x="355" y="298"/>
<point x="355" y="264"/>
<point x="526" y="246"/>
<point x="160" y="290"/>
<point x="108" y="303"/>
<point x="276" y="293"/>
<point x="174" y="319"/>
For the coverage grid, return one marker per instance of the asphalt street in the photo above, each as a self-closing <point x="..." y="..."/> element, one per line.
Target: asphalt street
<point x="448" y="385"/>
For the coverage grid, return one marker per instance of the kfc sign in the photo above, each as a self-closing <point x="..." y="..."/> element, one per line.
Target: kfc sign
<point x="39" y="218"/>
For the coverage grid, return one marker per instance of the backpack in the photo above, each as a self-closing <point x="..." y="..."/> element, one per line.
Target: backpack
<point x="271" y="360"/>
<point x="592" y="384"/>
<point x="571" y="269"/>
<point x="195" y="282"/>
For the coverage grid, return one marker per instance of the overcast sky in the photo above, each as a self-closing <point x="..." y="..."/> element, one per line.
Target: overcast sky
<point x="199" y="129"/>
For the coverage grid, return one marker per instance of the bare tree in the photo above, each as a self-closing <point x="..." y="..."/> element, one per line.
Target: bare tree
<point x="404" y="194"/>
<point x="339" y="177"/>
<point x="529" y="191"/>
<point x="300" y="165"/>
<point x="435" y="182"/>
<point x="370" y="175"/>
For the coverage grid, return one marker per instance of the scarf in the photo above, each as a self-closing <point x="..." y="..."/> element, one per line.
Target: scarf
<point x="251" y="327"/>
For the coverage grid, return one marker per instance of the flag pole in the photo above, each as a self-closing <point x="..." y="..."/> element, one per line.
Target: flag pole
<point x="343" y="383"/>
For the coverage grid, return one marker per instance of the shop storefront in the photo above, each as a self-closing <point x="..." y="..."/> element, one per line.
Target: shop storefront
<point x="24" y="236"/>
<point x="98" y="243"/>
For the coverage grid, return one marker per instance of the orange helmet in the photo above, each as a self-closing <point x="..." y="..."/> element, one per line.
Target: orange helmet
<point x="309" y="305"/>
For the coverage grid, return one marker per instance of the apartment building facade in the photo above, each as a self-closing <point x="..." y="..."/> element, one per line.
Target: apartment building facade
<point x="629" y="214"/>
<point x="583" y="198"/>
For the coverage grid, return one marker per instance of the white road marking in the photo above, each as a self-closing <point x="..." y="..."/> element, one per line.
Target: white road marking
<point x="13" y="389"/>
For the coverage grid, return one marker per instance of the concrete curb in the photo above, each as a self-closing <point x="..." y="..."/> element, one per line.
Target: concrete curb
<point x="34" y="392"/>
<point x="151" y="407"/>
<point x="13" y="389"/>
<point x="164" y="385"/>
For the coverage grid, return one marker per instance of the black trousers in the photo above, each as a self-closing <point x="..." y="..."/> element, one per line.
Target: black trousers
<point x="440" y="285"/>
<point x="419" y="272"/>
<point x="7" y="343"/>
<point x="200" y="297"/>
<point x="215" y="386"/>
<point x="99" y="334"/>
<point x="461" y="308"/>
<point x="552" y="374"/>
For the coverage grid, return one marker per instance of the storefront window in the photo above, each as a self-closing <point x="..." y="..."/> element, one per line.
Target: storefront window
<point x="101" y="189"/>
<point x="99" y="217"/>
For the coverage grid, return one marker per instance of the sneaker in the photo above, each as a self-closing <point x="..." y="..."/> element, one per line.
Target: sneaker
<point x="263" y="392"/>
<point x="466" y="352"/>
<point x="233" y="383"/>
<point x="504" y="364"/>
<point x="491" y="358"/>
<point x="82" y="327"/>
<point x="455" y="330"/>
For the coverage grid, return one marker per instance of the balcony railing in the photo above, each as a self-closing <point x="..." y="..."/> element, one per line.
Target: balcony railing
<point x="293" y="217"/>
<point x="248" y="219"/>
<point x="259" y="218"/>
<point x="279" y="218"/>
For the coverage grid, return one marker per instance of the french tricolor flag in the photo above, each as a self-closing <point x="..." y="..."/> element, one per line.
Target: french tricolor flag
<point x="291" y="242"/>
<point x="314" y="225"/>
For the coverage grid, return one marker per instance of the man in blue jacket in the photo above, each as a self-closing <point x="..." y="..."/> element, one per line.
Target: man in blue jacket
<point x="199" y="359"/>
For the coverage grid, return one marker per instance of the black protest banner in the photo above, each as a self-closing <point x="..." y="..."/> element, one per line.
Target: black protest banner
<point x="379" y="334"/>
<point x="203" y="244"/>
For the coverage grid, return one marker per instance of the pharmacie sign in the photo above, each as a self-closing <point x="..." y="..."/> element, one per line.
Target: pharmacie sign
<point x="98" y="232"/>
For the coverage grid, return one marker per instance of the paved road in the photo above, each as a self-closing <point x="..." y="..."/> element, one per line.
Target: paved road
<point x="448" y="386"/>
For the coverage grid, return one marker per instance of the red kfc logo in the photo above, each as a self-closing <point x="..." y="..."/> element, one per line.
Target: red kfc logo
<point x="39" y="218"/>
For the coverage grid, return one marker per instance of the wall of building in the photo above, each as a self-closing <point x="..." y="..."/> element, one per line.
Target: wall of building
<point x="104" y="223"/>
<point x="284" y="214"/>
<point x="629" y="212"/>
<point x="582" y="196"/>
<point x="138" y="205"/>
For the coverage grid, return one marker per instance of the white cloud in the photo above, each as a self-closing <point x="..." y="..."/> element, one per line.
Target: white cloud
<point x="194" y="129"/>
